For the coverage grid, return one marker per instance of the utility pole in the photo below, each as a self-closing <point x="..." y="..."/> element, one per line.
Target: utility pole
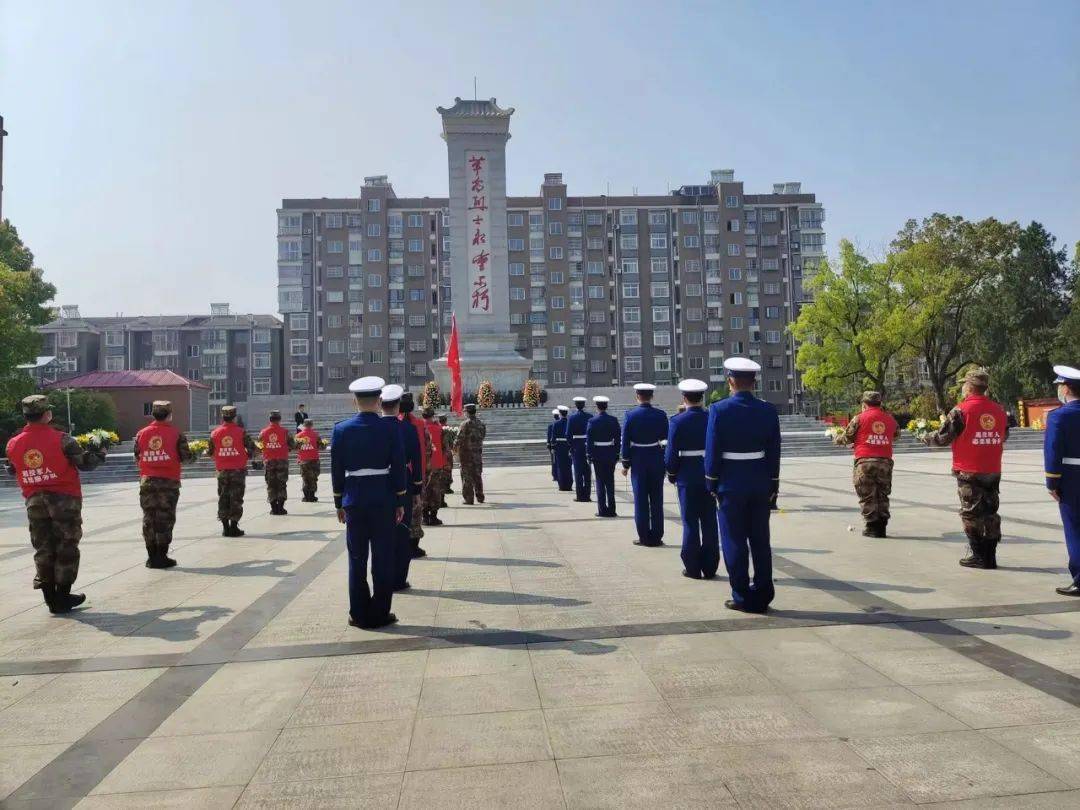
<point x="3" y="132"/>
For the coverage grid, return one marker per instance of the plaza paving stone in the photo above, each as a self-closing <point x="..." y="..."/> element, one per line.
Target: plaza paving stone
<point x="543" y="661"/>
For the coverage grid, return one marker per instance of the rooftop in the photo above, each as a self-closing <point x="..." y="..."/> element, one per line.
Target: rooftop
<point x="148" y="378"/>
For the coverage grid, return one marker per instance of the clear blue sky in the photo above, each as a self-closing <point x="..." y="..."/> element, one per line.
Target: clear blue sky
<point x="151" y="141"/>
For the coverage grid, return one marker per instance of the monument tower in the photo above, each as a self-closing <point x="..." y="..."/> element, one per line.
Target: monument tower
<point x="476" y="133"/>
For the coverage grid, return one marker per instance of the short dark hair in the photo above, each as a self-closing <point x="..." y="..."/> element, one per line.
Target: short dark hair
<point x="1073" y="386"/>
<point x="978" y="389"/>
<point x="644" y="394"/>
<point x="34" y="417"/>
<point x="228" y="417"/>
<point x="367" y="396"/>
<point x="694" y="397"/>
<point x="601" y="406"/>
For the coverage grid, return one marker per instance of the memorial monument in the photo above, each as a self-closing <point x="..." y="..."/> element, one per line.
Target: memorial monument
<point x="476" y="133"/>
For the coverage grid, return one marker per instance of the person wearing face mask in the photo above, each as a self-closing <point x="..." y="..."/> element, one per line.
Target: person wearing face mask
<point x="1061" y="456"/>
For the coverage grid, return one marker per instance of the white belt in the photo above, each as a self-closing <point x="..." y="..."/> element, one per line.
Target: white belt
<point x="366" y="472"/>
<point x="603" y="444"/>
<point x="1071" y="461"/>
<point x="560" y="440"/>
<point x="638" y="444"/>
<point x="743" y="456"/>
<point x="692" y="453"/>
<point x="579" y="438"/>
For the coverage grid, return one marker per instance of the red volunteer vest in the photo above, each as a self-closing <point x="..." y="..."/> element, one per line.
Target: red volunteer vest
<point x="40" y="465"/>
<point x="438" y="459"/>
<point x="229" y="451"/>
<point x="979" y="447"/>
<point x="275" y="443"/>
<point x="874" y="437"/>
<point x="307" y="442"/>
<point x="157" y="451"/>
<point x="421" y="434"/>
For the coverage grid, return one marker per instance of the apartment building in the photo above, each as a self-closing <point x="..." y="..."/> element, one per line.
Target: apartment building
<point x="604" y="290"/>
<point x="234" y="354"/>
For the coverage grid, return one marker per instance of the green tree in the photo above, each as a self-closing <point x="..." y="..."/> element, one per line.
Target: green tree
<point x="853" y="329"/>
<point x="939" y="267"/>
<point x="1067" y="339"/>
<point x="89" y="410"/>
<point x="1019" y="312"/>
<point x="23" y="296"/>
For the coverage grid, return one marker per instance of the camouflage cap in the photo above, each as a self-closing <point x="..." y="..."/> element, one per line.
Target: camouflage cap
<point x="442" y="418"/>
<point x="161" y="407"/>
<point x="309" y="422"/>
<point x="871" y="397"/>
<point x="977" y="376"/>
<point x="228" y="410"/>
<point x="471" y="407"/>
<point x="428" y="412"/>
<point x="35" y="405"/>
<point x="275" y="414"/>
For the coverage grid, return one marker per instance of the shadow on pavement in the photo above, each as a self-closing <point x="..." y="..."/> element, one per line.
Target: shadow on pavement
<point x="501" y="598"/>
<point x="504" y="561"/>
<point x="153" y="623"/>
<point x="851" y="585"/>
<point x="246" y="568"/>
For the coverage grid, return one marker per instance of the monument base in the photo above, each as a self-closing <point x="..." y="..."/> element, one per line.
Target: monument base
<point x="485" y="357"/>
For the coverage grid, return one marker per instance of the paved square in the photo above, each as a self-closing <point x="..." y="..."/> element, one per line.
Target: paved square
<point x="543" y="661"/>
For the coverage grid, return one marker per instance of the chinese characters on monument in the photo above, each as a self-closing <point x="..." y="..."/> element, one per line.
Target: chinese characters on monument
<point x="479" y="251"/>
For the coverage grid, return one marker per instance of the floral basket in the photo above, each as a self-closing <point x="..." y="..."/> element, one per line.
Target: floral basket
<point x="199" y="447"/>
<point x="921" y="428"/>
<point x="833" y="431"/>
<point x="485" y="394"/>
<point x="97" y="439"/>
<point x="530" y="394"/>
<point x="431" y="396"/>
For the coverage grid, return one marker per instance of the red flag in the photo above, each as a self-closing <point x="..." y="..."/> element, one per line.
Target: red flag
<point x="453" y="362"/>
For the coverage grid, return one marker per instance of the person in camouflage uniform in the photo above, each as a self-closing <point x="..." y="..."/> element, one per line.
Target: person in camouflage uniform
<point x="435" y="480"/>
<point x="231" y="483"/>
<point x="160" y="449"/>
<point x="976" y="429"/>
<point x="449" y="435"/>
<point x="276" y="443"/>
<point x="46" y="464"/>
<point x="873" y="433"/>
<point x="308" y="442"/>
<point x="470" y="450"/>
<point x="416" y="528"/>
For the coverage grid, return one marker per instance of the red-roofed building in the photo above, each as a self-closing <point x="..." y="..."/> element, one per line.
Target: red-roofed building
<point x="133" y="393"/>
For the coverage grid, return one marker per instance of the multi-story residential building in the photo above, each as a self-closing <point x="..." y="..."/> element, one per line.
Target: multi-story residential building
<point x="603" y="290"/>
<point x="235" y="355"/>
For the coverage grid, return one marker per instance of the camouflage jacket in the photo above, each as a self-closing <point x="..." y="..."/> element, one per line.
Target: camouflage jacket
<point x="951" y="427"/>
<point x="82" y="458"/>
<point x="470" y="436"/>
<point x="848" y="435"/>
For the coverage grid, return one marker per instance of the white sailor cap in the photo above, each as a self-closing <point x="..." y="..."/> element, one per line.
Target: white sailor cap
<point x="644" y="387"/>
<point x="693" y="386"/>
<point x="367" y="386"/>
<point x="580" y="399"/>
<point x="598" y="400"/>
<point x="1066" y="374"/>
<point x="564" y="409"/>
<point x="741" y="365"/>
<point x="555" y="411"/>
<point x="392" y="393"/>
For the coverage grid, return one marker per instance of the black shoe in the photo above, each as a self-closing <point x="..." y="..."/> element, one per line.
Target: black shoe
<point x="731" y="604"/>
<point x="443" y="505"/>
<point x="480" y="498"/>
<point x="65" y="600"/>
<point x="976" y="561"/>
<point x="226" y="529"/>
<point x="467" y="503"/>
<point x="160" y="561"/>
<point x="404" y="586"/>
<point x="236" y="530"/>
<point x="449" y="492"/>
<point x="869" y="531"/>
<point x="881" y="528"/>
<point x="688" y="575"/>
<point x="388" y="619"/>
<point x="48" y="593"/>
<point x="418" y="553"/>
<point x="1071" y="589"/>
<point x="435" y="521"/>
<point x="640" y="542"/>
<point x="708" y="576"/>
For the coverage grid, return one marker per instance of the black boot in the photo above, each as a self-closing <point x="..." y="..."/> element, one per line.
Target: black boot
<point x="433" y="517"/>
<point x="881" y="524"/>
<point x="977" y="557"/>
<point x="226" y="529"/>
<point x="870" y="529"/>
<point x="48" y="593"/>
<point x="234" y="527"/>
<point x="65" y="600"/>
<point x="281" y="508"/>
<point x="990" y="553"/>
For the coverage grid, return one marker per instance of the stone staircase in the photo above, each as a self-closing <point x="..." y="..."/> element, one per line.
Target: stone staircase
<point x="517" y="437"/>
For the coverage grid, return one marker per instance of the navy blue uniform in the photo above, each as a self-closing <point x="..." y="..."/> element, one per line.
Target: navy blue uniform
<point x="602" y="447"/>
<point x="742" y="468"/>
<point x="644" y="428"/>
<point x="414" y="484"/>
<point x="564" y="474"/>
<point x="1061" y="457"/>
<point x="684" y="459"/>
<point x="551" y="447"/>
<point x="575" y="433"/>
<point x="367" y="468"/>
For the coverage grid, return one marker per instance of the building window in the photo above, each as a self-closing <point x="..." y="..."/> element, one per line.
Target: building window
<point x="661" y="339"/>
<point x="335" y="347"/>
<point x="114" y="362"/>
<point x="558" y="352"/>
<point x="630" y="266"/>
<point x="517" y="268"/>
<point x="630" y="289"/>
<point x="298" y="347"/>
<point x="597" y="316"/>
<point x="515" y="219"/>
<point x="694" y="339"/>
<point x="632" y="365"/>
<point x="658" y="241"/>
<point x="731" y="201"/>
<point x="631" y="340"/>
<point x="693" y="290"/>
<point x="662" y="364"/>
<point x="733" y="249"/>
<point x="260" y="386"/>
<point x="598" y="341"/>
<point x="555" y="252"/>
<point x="260" y="360"/>
<point x="660" y="289"/>
<point x="558" y="302"/>
<point x="375" y="305"/>
<point x="772" y="312"/>
<point x="114" y="338"/>
<point x="772" y="335"/>
<point x="631" y="315"/>
<point x="628" y="216"/>
<point x="690" y="242"/>
<point x="67" y="340"/>
<point x="377" y="357"/>
<point x="598" y="366"/>
<point x="415" y="246"/>
<point x="661" y="314"/>
<point x="694" y="314"/>
<point x="736" y="298"/>
<point x="555" y="228"/>
<point x="335" y="272"/>
<point x="193" y="350"/>
<point x="691" y="265"/>
<point x="768" y="215"/>
<point x="595" y="268"/>
<point x="554" y="204"/>
<point x="689" y="217"/>
<point x="517" y="293"/>
<point x="772" y="288"/>
<point x="556" y="277"/>
<point x="734" y="274"/>
<point x="596" y="292"/>
<point x="515" y="244"/>
<point x="558" y="376"/>
<point x="373" y="206"/>
<point x="418" y="320"/>
<point x="335" y="246"/>
<point x="658" y="265"/>
<point x="298" y="373"/>
<point x="737" y="322"/>
<point x="695" y="363"/>
<point x="375" y="330"/>
<point x="288" y="250"/>
<point x="558" y="327"/>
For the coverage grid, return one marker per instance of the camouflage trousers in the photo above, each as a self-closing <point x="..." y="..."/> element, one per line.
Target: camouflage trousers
<point x="309" y="476"/>
<point x="434" y="488"/>
<point x="158" y="498"/>
<point x="276" y="472"/>
<point x="472" y="478"/>
<point x="979" y="503"/>
<point x="873" y="484"/>
<point x="416" y="531"/>
<point x="55" y="532"/>
<point x="230" y="494"/>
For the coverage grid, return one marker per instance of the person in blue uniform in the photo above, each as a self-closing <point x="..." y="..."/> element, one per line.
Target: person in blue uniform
<point x="602" y="449"/>
<point x="575" y="434"/>
<point x="563" y="467"/>
<point x="684" y="460"/>
<point x="551" y="442"/>
<point x="742" y="469"/>
<point x="367" y="468"/>
<point x="1061" y="454"/>
<point x="644" y="430"/>
<point x="391" y="408"/>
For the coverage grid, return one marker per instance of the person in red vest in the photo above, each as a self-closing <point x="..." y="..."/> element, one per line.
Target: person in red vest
<point x="977" y="429"/>
<point x="231" y="449"/>
<point x="46" y="464"/>
<point x="416" y="529"/>
<point x="872" y="432"/>
<point x="435" y="479"/>
<point x="276" y="444"/>
<point x="307" y="453"/>
<point x="160" y="449"/>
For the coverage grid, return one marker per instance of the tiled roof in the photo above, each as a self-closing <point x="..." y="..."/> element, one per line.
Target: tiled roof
<point x="147" y="378"/>
<point x="475" y="108"/>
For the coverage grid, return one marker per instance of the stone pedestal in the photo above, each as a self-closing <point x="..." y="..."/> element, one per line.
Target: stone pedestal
<point x="479" y="130"/>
